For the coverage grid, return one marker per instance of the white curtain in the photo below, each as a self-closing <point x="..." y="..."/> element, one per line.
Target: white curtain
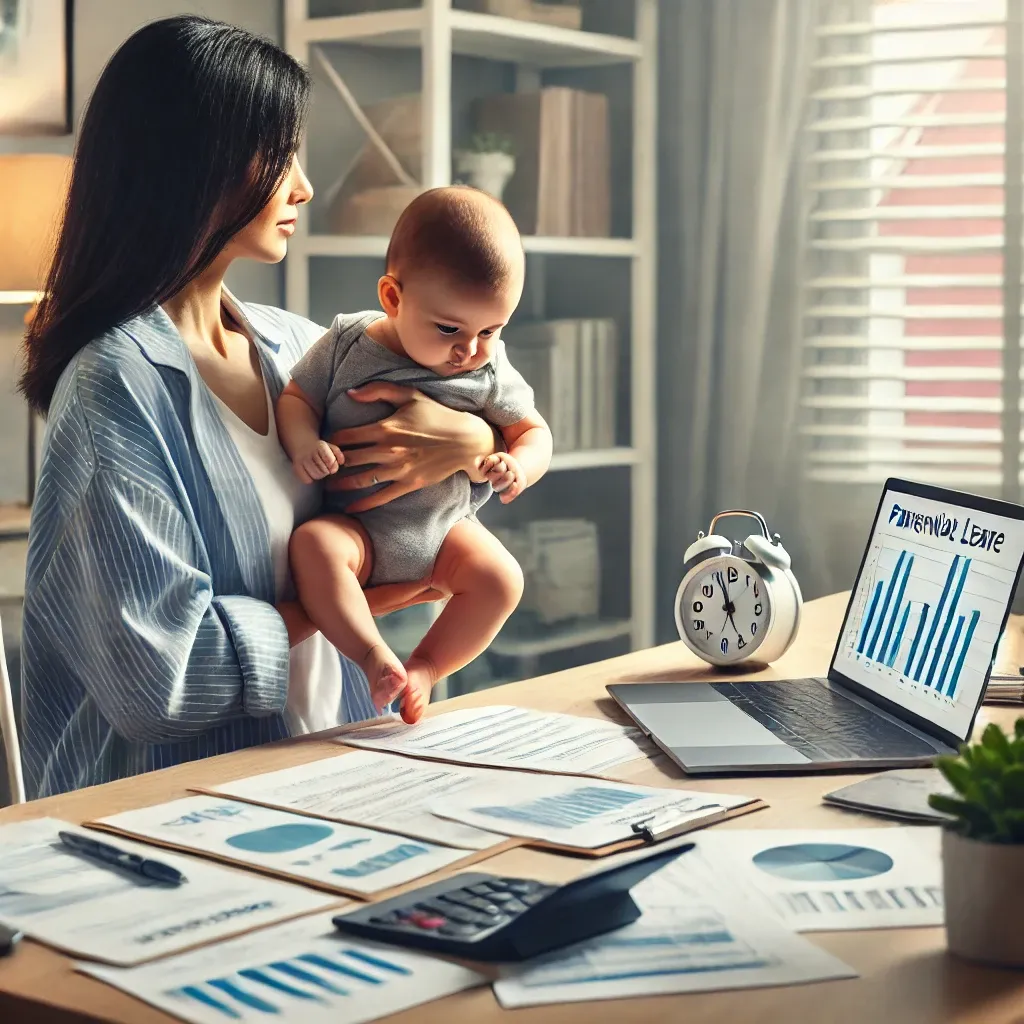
<point x="733" y="97"/>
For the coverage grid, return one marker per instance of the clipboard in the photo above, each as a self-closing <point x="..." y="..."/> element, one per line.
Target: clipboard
<point x="644" y="834"/>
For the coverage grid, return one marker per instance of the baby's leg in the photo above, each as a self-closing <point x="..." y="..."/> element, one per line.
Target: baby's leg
<point x="485" y="583"/>
<point x="331" y="559"/>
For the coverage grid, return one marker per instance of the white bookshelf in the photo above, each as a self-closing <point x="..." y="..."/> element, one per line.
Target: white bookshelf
<point x="441" y="32"/>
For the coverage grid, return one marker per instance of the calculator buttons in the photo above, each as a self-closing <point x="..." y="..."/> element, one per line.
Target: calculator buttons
<point x="462" y="931"/>
<point x="514" y="906"/>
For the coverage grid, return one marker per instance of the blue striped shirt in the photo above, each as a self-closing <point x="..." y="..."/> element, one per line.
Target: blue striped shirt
<point x="150" y="636"/>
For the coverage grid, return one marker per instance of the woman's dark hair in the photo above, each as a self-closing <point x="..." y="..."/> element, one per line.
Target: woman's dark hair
<point x="188" y="133"/>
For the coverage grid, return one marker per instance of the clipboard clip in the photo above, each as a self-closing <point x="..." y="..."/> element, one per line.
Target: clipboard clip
<point x="642" y="828"/>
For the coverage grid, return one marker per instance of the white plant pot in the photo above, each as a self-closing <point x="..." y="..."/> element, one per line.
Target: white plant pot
<point x="488" y="172"/>
<point x="984" y="896"/>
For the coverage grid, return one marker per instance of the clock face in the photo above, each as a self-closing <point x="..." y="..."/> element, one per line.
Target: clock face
<point x="725" y="609"/>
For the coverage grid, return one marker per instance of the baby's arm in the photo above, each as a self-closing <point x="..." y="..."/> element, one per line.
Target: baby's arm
<point x="529" y="444"/>
<point x="298" y="429"/>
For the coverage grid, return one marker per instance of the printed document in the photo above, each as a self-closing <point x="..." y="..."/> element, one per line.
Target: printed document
<point x="836" y="879"/>
<point x="88" y="910"/>
<point x="693" y="937"/>
<point x="301" y="971"/>
<point x="348" y="857"/>
<point x="376" y="790"/>
<point x="508" y="737"/>
<point x="584" y="813"/>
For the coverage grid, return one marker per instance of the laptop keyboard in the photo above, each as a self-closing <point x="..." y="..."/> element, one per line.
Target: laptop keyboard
<point x="821" y="723"/>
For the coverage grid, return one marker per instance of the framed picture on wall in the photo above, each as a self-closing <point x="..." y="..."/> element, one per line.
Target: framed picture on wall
<point x="35" y="67"/>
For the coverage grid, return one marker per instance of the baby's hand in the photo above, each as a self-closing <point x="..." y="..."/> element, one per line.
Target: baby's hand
<point x="505" y="475"/>
<point x="318" y="462"/>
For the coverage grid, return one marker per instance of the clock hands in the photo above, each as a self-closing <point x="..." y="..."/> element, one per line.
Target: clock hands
<point x="729" y="608"/>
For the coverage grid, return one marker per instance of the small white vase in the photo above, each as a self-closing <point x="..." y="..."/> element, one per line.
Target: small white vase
<point x="984" y="895"/>
<point x="488" y="172"/>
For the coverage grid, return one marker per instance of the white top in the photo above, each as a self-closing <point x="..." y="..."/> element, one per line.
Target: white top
<point x="314" y="676"/>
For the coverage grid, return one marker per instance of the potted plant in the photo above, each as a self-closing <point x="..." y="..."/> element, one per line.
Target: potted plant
<point x="983" y="848"/>
<point x="487" y="164"/>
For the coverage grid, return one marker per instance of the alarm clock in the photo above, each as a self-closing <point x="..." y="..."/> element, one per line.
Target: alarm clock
<point x="738" y="600"/>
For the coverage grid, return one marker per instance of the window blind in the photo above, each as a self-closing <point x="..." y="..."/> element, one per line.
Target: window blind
<point x="910" y="274"/>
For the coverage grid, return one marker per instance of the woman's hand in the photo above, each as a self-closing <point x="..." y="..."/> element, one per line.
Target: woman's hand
<point x="421" y="443"/>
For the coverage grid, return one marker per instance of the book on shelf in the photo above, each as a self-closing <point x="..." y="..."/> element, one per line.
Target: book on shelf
<point x="561" y="563"/>
<point x="571" y="364"/>
<point x="562" y="146"/>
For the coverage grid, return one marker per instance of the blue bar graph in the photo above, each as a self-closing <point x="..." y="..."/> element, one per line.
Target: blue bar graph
<point x="865" y="626"/>
<point x="893" y="583"/>
<point x="895" y="648"/>
<point x="566" y="810"/>
<point x="935" y="620"/>
<point x="940" y="636"/>
<point x="955" y="678"/>
<point x="280" y="988"/>
<point x="917" y="638"/>
<point x="896" y="607"/>
<point x="937" y="652"/>
<point x="948" y="660"/>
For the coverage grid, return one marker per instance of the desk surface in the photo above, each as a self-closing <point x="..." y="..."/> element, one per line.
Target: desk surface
<point x="906" y="975"/>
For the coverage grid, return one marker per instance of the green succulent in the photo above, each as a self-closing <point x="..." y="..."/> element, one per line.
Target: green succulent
<point x="988" y="778"/>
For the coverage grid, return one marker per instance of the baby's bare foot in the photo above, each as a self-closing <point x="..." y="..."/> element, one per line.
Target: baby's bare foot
<point x="385" y="673"/>
<point x="420" y="679"/>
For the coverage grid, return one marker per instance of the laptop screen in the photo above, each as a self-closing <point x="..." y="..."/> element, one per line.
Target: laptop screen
<point x="930" y="602"/>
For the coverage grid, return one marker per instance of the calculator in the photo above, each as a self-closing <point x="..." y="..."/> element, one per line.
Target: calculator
<point x="476" y="916"/>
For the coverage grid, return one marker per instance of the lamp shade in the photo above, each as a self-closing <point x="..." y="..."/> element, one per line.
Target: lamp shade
<point x="33" y="187"/>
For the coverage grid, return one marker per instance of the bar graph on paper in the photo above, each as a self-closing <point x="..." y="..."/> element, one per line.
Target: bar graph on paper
<point x="926" y="618"/>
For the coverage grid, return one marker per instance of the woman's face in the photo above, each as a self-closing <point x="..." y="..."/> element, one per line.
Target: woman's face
<point x="265" y="238"/>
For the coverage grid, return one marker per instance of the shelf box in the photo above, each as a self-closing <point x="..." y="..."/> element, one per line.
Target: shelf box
<point x="375" y="246"/>
<point x="478" y="35"/>
<point x="595" y="458"/>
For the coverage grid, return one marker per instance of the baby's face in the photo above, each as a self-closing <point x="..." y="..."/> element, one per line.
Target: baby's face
<point x="450" y="329"/>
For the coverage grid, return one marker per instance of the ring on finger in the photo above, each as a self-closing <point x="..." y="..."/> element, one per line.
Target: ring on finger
<point x="373" y="480"/>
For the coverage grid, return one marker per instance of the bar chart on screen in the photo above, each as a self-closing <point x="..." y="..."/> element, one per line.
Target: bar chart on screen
<point x="927" y="618"/>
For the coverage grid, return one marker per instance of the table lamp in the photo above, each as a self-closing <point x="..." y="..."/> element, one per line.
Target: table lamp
<point x="33" y="187"/>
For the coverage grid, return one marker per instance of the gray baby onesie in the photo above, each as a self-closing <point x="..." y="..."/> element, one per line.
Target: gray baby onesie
<point x="406" y="532"/>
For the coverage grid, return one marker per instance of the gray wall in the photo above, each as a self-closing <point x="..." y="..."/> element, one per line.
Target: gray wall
<point x="100" y="26"/>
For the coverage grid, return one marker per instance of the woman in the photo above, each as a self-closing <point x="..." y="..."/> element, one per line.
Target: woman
<point x="157" y="624"/>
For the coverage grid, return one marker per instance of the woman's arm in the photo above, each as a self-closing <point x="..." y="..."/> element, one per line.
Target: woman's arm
<point x="421" y="443"/>
<point x="123" y="603"/>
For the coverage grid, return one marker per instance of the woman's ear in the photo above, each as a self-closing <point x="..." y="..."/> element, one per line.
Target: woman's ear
<point x="389" y="293"/>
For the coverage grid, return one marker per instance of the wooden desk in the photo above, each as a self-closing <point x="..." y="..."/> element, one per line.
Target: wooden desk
<point x="907" y="976"/>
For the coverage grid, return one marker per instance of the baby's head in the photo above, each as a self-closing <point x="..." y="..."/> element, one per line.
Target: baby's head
<point x="454" y="276"/>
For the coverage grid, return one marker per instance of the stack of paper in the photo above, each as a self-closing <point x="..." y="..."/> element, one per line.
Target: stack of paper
<point x="351" y="859"/>
<point x="507" y="737"/>
<point x="90" y="910"/>
<point x="694" y="936"/>
<point x="376" y="790"/>
<point x="300" y="971"/>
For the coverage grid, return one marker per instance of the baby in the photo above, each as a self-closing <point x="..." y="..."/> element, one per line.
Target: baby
<point x="454" y="276"/>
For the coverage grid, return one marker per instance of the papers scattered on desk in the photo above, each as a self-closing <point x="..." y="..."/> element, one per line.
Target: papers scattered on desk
<point x="586" y="814"/>
<point x="371" y="789"/>
<point x="303" y="970"/>
<point x="836" y="879"/>
<point x="693" y="937"/>
<point x="349" y="858"/>
<point x="508" y="737"/>
<point x="71" y="903"/>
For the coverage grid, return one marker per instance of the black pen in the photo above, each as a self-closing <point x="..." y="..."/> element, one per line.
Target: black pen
<point x="9" y="938"/>
<point x="107" y="854"/>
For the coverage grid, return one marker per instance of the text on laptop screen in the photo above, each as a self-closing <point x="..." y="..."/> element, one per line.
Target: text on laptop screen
<point x="925" y="618"/>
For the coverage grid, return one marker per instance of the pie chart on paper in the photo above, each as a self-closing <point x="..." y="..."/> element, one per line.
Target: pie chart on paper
<point x="822" y="862"/>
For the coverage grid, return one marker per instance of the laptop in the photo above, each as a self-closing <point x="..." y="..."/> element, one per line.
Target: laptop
<point x="910" y="666"/>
